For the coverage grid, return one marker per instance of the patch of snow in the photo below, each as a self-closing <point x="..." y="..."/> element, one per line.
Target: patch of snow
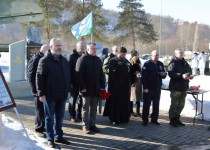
<point x="13" y="137"/>
<point x="189" y="109"/>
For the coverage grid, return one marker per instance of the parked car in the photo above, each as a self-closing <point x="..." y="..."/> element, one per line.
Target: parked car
<point x="145" y="56"/>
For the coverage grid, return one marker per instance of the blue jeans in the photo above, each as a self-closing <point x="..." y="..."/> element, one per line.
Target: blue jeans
<point x="54" y="114"/>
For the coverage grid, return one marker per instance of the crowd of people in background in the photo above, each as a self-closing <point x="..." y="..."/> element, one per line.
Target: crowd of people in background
<point x="198" y="61"/>
<point x="82" y="75"/>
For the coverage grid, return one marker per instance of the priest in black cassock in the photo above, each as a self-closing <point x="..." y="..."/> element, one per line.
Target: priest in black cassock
<point x="117" y="107"/>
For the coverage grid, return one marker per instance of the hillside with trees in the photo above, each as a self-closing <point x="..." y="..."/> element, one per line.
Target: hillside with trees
<point x="110" y="27"/>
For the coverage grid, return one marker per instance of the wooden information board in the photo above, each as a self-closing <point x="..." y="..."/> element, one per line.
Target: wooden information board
<point x="6" y="98"/>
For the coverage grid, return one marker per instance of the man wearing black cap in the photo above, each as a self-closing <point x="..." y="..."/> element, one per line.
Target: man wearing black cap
<point x="117" y="106"/>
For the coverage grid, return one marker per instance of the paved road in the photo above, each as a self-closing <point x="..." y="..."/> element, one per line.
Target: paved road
<point x="125" y="136"/>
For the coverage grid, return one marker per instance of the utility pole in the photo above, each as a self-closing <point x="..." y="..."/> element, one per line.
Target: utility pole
<point x="196" y="37"/>
<point x="160" y="43"/>
<point x="83" y="8"/>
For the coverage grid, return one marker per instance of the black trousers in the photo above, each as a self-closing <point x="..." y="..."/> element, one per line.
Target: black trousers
<point x="154" y="97"/>
<point x="39" y="115"/>
<point x="72" y="107"/>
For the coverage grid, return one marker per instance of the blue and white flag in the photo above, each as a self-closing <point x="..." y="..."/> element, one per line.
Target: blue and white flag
<point x="84" y="27"/>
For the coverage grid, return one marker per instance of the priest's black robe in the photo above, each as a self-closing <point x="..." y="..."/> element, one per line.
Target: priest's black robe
<point x="117" y="107"/>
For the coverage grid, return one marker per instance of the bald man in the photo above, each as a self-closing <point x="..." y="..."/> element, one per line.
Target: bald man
<point x="39" y="111"/>
<point x="152" y="74"/>
<point x="180" y="73"/>
<point x="75" y="116"/>
<point x="53" y="86"/>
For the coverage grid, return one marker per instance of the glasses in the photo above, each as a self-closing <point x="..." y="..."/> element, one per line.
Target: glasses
<point x="58" y="45"/>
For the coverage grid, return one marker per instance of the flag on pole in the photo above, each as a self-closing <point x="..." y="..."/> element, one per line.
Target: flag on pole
<point x="84" y="27"/>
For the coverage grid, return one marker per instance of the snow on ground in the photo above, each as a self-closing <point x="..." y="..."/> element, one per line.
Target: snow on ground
<point x="13" y="137"/>
<point x="189" y="109"/>
<point x="4" y="59"/>
<point x="4" y="64"/>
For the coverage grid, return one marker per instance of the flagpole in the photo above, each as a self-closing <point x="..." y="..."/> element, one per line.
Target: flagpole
<point x="83" y="8"/>
<point x="92" y="34"/>
<point x="91" y="38"/>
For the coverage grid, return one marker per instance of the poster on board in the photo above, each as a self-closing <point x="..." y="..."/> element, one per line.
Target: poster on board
<point x="6" y="98"/>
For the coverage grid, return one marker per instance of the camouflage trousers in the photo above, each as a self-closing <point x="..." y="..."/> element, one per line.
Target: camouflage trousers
<point x="177" y="103"/>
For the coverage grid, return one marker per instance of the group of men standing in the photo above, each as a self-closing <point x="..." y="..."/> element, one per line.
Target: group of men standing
<point x="82" y="74"/>
<point x="53" y="78"/>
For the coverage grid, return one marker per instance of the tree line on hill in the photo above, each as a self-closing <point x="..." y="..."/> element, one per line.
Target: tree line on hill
<point x="132" y="27"/>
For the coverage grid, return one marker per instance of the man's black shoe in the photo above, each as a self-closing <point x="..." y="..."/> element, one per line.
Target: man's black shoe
<point x="138" y="114"/>
<point x="74" y="119"/>
<point x="133" y="114"/>
<point x="173" y="122"/>
<point x="41" y="134"/>
<point x="179" y="123"/>
<point x="115" y="123"/>
<point x="144" y="123"/>
<point x="155" y="122"/>
<point x="79" y="119"/>
<point x="51" y="144"/>
<point x="63" y="141"/>
<point x="94" y="129"/>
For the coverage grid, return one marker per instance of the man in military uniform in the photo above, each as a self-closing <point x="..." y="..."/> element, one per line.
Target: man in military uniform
<point x="152" y="74"/>
<point x="180" y="73"/>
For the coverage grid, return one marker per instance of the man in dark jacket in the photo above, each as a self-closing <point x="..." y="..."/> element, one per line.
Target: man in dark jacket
<point x="152" y="74"/>
<point x="91" y="81"/>
<point x="39" y="111"/>
<point x="80" y="47"/>
<point x="106" y="61"/>
<point x="104" y="54"/>
<point x="180" y="73"/>
<point x="52" y="81"/>
<point x="118" y="105"/>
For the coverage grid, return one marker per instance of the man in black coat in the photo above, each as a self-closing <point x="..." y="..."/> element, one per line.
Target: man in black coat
<point x="53" y="87"/>
<point x="80" y="47"/>
<point x="107" y="60"/>
<point x="118" y="105"/>
<point x="39" y="111"/>
<point x="91" y="81"/>
<point x="152" y="74"/>
<point x="180" y="73"/>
